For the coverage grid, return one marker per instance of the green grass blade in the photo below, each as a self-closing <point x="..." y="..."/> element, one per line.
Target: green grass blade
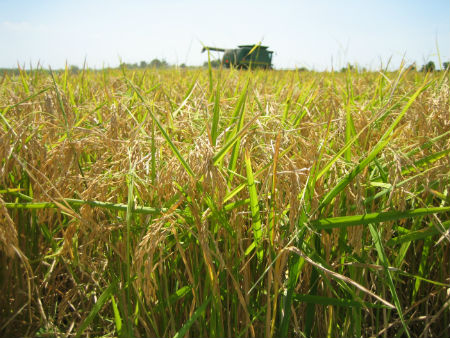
<point x="236" y="147"/>
<point x="210" y="75"/>
<point x="376" y="217"/>
<point x="186" y="97"/>
<point x="417" y="235"/>
<point x="172" y="146"/>
<point x="176" y="296"/>
<point x="153" y="155"/>
<point x="350" y="132"/>
<point x="77" y="202"/>
<point x="6" y="108"/>
<point x="341" y="302"/>
<point x="239" y="188"/>
<point x="254" y="207"/>
<point x="296" y="264"/>
<point x="117" y="318"/>
<point x="226" y="148"/>
<point x="61" y="104"/>
<point x="238" y="111"/>
<point x="384" y="261"/>
<point x="344" y="149"/>
<point x="310" y="310"/>
<point x="24" y="78"/>
<point x="426" y="161"/>
<point x="384" y="140"/>
<point x="66" y="72"/>
<point x="427" y="144"/>
<point x="127" y="275"/>
<point x="216" y="114"/>
<point x="96" y="308"/>
<point x="197" y="313"/>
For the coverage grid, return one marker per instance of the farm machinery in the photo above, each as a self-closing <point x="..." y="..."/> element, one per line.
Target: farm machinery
<point x="245" y="56"/>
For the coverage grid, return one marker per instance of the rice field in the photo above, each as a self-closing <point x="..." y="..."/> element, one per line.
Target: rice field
<point x="224" y="203"/>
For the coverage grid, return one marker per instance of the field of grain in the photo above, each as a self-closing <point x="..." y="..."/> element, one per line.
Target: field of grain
<point x="224" y="203"/>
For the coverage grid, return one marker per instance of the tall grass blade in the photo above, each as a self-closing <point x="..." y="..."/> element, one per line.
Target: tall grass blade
<point x="254" y="207"/>
<point x="417" y="235"/>
<point x="117" y="318"/>
<point x="384" y="140"/>
<point x="216" y="114"/>
<point x="95" y="310"/>
<point x="375" y="217"/>
<point x="76" y="202"/>
<point x="164" y="133"/>
<point x="341" y="302"/>
<point x="197" y="313"/>
<point x="186" y="98"/>
<point x="339" y="276"/>
<point x="226" y="148"/>
<point x="24" y="78"/>
<point x="127" y="275"/>
<point x="384" y="261"/>
<point x="236" y="147"/>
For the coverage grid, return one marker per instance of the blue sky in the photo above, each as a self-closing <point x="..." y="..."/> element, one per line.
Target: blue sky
<point x="313" y="34"/>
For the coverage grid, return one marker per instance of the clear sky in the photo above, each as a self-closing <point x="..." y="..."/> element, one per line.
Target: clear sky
<point x="314" y="34"/>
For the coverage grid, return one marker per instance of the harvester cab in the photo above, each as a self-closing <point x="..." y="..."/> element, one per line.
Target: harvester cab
<point x="245" y="56"/>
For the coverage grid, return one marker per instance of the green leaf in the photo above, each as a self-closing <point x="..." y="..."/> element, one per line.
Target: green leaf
<point x="222" y="152"/>
<point x="117" y="318"/>
<point x="129" y="220"/>
<point x="342" y="302"/>
<point x="385" y="263"/>
<point x="254" y="207"/>
<point x="424" y="162"/>
<point x="172" y="146"/>
<point x="216" y="114"/>
<point x="192" y="320"/>
<point x="384" y="140"/>
<point x="235" y="153"/>
<point x="76" y="202"/>
<point x="376" y="217"/>
<point x="296" y="264"/>
<point x="349" y="133"/>
<point x="186" y="98"/>
<point x="96" y="308"/>
<point x="173" y="298"/>
<point x="417" y="235"/>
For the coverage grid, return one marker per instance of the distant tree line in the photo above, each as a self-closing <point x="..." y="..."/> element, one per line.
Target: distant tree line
<point x="161" y="63"/>
<point x="155" y="63"/>
<point x="430" y="66"/>
<point x="214" y="64"/>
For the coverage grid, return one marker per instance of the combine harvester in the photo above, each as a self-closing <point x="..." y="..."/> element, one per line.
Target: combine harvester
<point x="245" y="56"/>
